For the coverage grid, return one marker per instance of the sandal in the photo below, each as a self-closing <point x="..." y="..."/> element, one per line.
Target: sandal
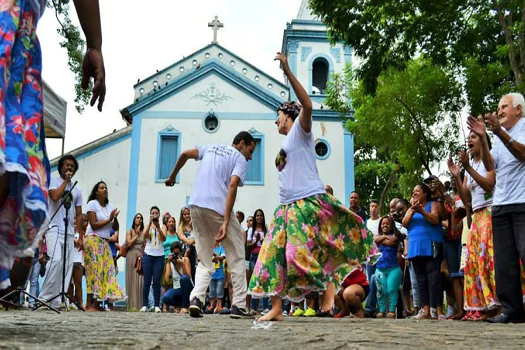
<point x="468" y="316"/>
<point x="477" y="316"/>
<point x="391" y="315"/>
<point x="441" y="317"/>
<point x="380" y="315"/>
<point x="321" y="313"/>
<point x="342" y="314"/>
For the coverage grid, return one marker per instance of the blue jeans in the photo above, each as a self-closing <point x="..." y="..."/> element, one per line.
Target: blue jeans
<point x="153" y="266"/>
<point x="217" y="288"/>
<point x="179" y="297"/>
<point x="453" y="256"/>
<point x="371" y="302"/>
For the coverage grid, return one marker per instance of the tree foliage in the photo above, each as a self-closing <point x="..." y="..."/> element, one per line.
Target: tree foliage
<point x="75" y="47"/>
<point x="473" y="37"/>
<point x="410" y="124"/>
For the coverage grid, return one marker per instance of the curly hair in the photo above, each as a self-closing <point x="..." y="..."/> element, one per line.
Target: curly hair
<point x="291" y="108"/>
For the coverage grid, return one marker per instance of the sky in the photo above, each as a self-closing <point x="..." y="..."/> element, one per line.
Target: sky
<point x="140" y="37"/>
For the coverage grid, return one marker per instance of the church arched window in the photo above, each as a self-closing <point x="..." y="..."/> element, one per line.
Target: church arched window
<point x="319" y="76"/>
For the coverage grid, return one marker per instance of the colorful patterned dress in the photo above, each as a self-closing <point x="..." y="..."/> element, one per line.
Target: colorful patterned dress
<point x="312" y="240"/>
<point x="22" y="140"/>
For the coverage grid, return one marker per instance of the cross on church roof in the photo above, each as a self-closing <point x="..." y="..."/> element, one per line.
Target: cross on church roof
<point x="216" y="25"/>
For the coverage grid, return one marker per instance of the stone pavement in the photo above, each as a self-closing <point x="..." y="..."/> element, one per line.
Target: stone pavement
<point x="122" y="330"/>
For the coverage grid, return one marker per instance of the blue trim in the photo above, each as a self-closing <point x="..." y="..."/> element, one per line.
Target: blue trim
<point x="308" y="21"/>
<point x="258" y="136"/>
<point x="348" y="142"/>
<point x="305" y="51"/>
<point x="306" y="35"/>
<point x="216" y="66"/>
<point x="310" y="69"/>
<point x="327" y="146"/>
<point x="134" y="159"/>
<point x="98" y="149"/>
<point x="209" y="114"/>
<point x="169" y="132"/>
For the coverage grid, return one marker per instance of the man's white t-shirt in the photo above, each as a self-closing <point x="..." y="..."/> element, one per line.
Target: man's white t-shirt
<point x="298" y="175"/>
<point x="373" y="226"/>
<point x="510" y="172"/>
<point x="102" y="213"/>
<point x="57" y="224"/>
<point x="218" y="164"/>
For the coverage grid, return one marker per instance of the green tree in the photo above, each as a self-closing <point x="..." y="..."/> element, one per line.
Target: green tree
<point x="410" y="124"/>
<point x="472" y="37"/>
<point x="74" y="44"/>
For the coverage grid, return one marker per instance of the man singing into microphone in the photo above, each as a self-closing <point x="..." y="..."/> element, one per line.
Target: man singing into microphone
<point x="60" y="188"/>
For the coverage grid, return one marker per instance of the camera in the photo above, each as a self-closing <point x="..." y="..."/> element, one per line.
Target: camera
<point x="396" y="215"/>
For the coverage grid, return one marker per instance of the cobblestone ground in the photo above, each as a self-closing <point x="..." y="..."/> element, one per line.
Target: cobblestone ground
<point x="122" y="330"/>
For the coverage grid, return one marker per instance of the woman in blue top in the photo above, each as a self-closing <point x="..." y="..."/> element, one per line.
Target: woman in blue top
<point x="424" y="230"/>
<point x="388" y="274"/>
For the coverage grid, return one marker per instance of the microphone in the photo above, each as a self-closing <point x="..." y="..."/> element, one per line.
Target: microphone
<point x="68" y="196"/>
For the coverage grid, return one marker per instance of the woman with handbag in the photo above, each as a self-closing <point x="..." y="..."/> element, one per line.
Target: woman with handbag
<point x="134" y="278"/>
<point x="101" y="280"/>
<point x="425" y="248"/>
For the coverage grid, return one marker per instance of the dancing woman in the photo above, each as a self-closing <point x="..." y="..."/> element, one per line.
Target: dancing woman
<point x="313" y="240"/>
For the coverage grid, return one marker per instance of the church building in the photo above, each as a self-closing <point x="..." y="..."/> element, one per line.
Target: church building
<point x="208" y="97"/>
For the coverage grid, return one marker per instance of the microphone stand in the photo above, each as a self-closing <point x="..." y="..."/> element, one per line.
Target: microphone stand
<point x="66" y="202"/>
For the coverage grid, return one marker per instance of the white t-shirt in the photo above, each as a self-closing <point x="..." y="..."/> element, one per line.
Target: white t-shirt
<point x="510" y="172"/>
<point x="298" y="175"/>
<point x="57" y="224"/>
<point x="373" y="226"/>
<point x="218" y="164"/>
<point x="103" y="213"/>
<point x="479" y="197"/>
<point x="154" y="245"/>
<point x="175" y="276"/>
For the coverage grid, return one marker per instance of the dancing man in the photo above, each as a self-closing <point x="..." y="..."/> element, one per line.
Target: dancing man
<point x="222" y="170"/>
<point x="61" y="189"/>
<point x="313" y="240"/>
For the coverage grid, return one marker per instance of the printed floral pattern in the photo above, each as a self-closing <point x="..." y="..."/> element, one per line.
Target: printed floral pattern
<point x="480" y="283"/>
<point x="22" y="140"/>
<point x="101" y="280"/>
<point x="310" y="242"/>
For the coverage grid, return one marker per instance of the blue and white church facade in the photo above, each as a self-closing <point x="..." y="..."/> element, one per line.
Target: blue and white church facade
<point x="208" y="97"/>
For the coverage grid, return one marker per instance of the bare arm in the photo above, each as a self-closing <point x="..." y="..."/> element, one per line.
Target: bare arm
<point x="89" y="16"/>
<point x="80" y="227"/>
<point x="167" y="274"/>
<point x="183" y="158"/>
<point x="517" y="149"/>
<point x="305" y="116"/>
<point x="163" y="232"/>
<point x="95" y="225"/>
<point x="408" y="217"/>
<point x="114" y="238"/>
<point x="434" y="216"/>
<point x="230" y="200"/>
<point x="57" y="193"/>
<point x="183" y="238"/>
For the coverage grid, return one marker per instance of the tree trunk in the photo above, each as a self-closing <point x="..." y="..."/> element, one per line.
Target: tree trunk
<point x="387" y="188"/>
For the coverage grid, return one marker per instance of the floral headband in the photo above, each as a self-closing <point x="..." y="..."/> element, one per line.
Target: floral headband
<point x="292" y="108"/>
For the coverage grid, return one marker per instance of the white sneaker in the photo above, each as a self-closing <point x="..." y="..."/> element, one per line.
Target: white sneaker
<point x="157" y="310"/>
<point x="433" y="313"/>
<point x="144" y="309"/>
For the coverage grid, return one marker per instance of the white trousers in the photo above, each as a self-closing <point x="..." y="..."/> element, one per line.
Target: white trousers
<point x="206" y="225"/>
<point x="53" y="278"/>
